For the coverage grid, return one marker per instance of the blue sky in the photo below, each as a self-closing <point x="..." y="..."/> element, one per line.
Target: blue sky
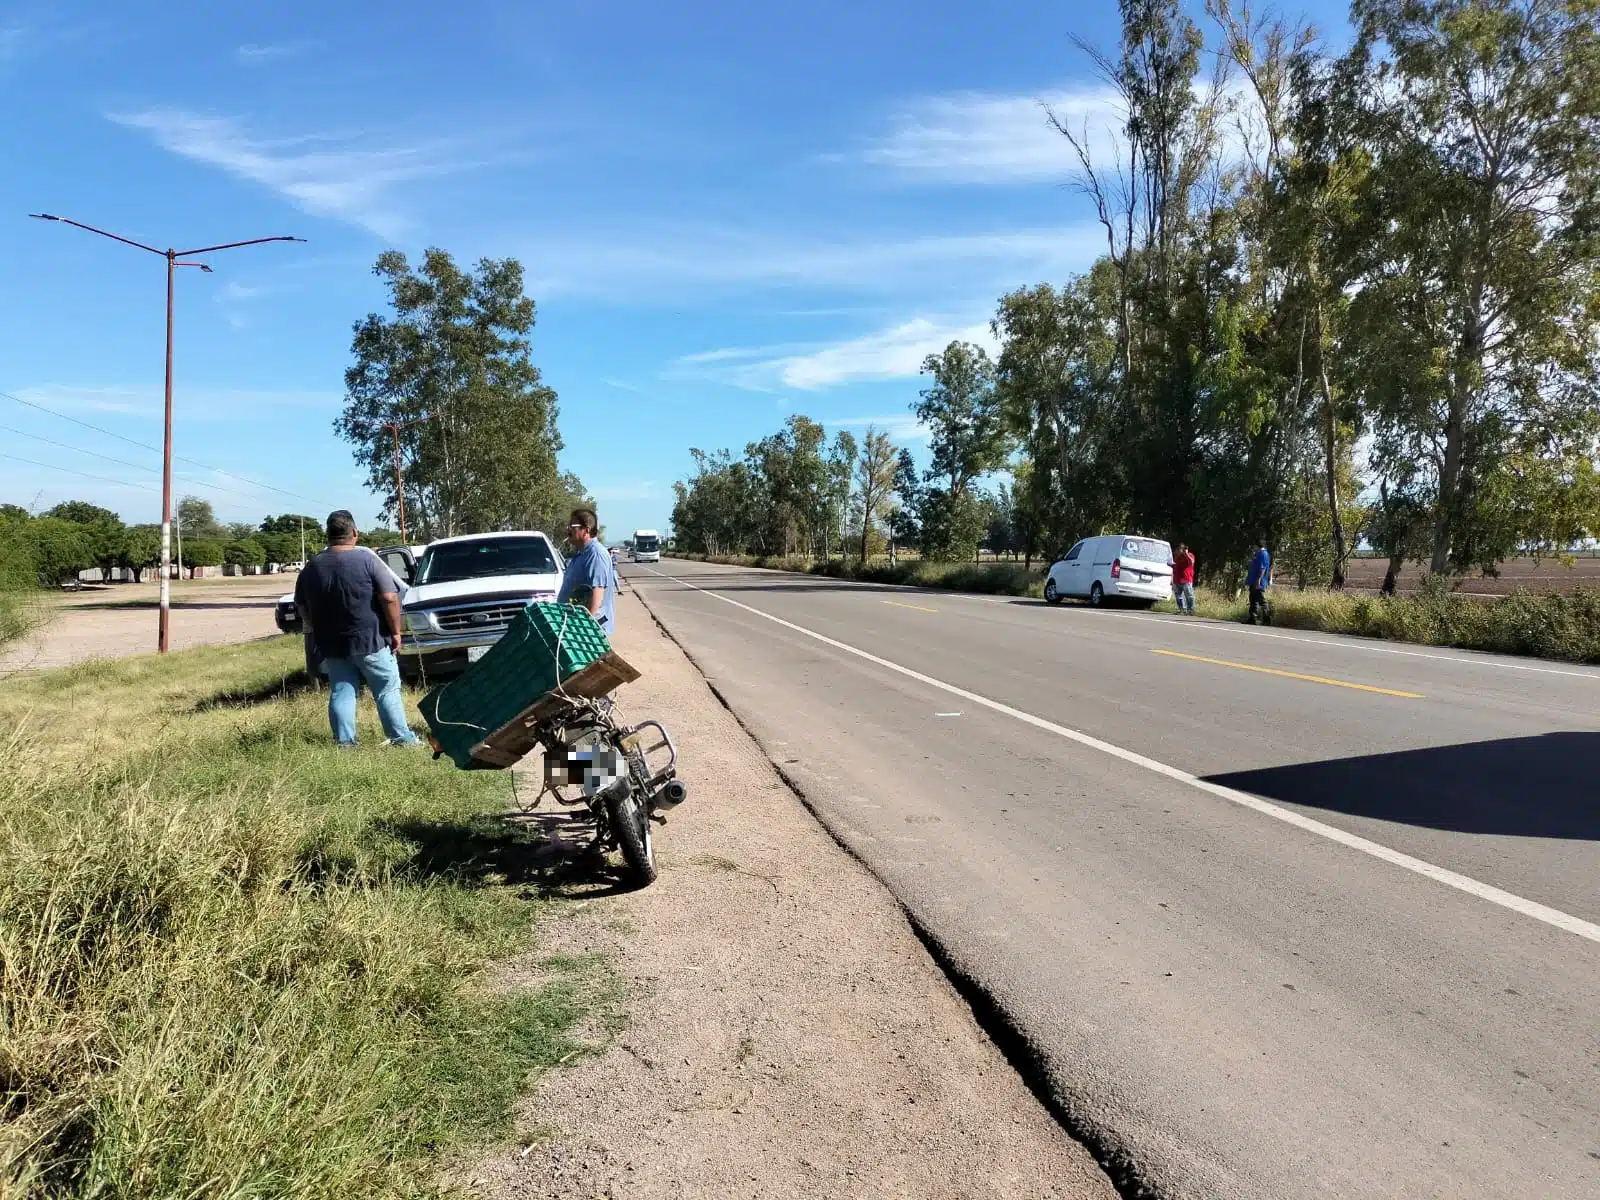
<point x="727" y="213"/>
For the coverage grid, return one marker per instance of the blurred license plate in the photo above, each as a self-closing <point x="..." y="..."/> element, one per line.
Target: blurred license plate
<point x="474" y="653"/>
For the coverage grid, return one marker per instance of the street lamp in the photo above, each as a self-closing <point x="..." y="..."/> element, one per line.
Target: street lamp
<point x="172" y="257"/>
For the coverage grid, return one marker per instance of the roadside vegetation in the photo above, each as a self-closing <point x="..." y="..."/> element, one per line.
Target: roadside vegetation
<point x="1347" y="302"/>
<point x="990" y="578"/>
<point x="236" y="962"/>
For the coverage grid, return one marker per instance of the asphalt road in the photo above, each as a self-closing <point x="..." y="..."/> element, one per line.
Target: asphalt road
<point x="1282" y="915"/>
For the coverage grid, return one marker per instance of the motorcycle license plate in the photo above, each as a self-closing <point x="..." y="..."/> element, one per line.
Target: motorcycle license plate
<point x="474" y="653"/>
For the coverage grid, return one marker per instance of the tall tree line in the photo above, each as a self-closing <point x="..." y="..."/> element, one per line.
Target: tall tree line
<point x="1342" y="295"/>
<point x="1346" y="297"/>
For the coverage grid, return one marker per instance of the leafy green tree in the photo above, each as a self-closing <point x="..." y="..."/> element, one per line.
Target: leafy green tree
<point x="102" y="529"/>
<point x="379" y="537"/>
<point x="839" y="467"/>
<point x="453" y="366"/>
<point x="292" y="523"/>
<point x="244" y="553"/>
<point x="1476" y="295"/>
<point x="81" y="512"/>
<point x="202" y="552"/>
<point x="962" y="413"/>
<point x="59" y="549"/>
<point x="875" y="475"/>
<point x="197" y="519"/>
<point x="903" y="527"/>
<point x="141" y="549"/>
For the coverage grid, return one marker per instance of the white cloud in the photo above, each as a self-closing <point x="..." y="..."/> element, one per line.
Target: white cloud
<point x="670" y="259"/>
<point x="258" y="55"/>
<point x="901" y="427"/>
<point x="980" y="137"/>
<point x="988" y="137"/>
<point x="322" y="174"/>
<point x="894" y="353"/>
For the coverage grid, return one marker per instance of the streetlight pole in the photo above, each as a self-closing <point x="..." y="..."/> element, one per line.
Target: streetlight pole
<point x="172" y="257"/>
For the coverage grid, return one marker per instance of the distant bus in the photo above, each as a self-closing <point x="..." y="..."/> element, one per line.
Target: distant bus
<point x="646" y="545"/>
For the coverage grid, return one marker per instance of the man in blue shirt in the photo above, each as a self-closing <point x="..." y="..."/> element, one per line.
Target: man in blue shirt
<point x="1258" y="579"/>
<point x="590" y="579"/>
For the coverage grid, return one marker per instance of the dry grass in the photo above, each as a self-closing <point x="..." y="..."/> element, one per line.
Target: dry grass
<point x="236" y="962"/>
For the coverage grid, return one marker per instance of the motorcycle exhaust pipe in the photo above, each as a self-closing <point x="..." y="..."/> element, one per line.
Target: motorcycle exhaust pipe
<point x="672" y="794"/>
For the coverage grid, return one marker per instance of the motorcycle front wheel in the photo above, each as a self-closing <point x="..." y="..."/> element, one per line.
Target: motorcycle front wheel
<point x="630" y="822"/>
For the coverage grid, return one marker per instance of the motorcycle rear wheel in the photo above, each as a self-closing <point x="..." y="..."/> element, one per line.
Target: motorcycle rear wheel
<point x="630" y="822"/>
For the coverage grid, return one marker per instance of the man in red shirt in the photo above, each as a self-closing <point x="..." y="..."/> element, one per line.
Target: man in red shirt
<point x="1183" y="579"/>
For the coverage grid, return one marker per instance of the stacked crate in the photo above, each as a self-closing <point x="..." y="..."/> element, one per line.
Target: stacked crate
<point x="544" y="644"/>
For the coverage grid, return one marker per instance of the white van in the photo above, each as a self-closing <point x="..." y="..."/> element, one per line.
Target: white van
<point x="646" y="545"/>
<point x="1115" y="566"/>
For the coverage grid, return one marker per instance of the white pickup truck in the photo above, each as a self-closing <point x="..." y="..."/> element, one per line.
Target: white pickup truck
<point x="463" y="593"/>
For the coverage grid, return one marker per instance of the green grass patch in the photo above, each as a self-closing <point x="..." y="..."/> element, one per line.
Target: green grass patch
<point x="988" y="578"/>
<point x="1548" y="624"/>
<point x="235" y="962"/>
<point x="21" y="612"/>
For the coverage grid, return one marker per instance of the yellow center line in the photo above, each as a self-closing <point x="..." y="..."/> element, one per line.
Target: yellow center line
<point x="1222" y="662"/>
<point x="918" y="607"/>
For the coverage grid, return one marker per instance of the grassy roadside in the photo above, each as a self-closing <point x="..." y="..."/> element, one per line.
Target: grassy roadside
<point x="235" y="962"/>
<point x="1550" y="624"/>
<point x="20" y="614"/>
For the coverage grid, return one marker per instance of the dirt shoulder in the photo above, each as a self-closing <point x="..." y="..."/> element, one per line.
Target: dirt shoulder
<point x="789" y="1035"/>
<point x="116" y="621"/>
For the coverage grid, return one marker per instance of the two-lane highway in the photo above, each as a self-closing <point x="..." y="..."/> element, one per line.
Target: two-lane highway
<point x="1282" y="915"/>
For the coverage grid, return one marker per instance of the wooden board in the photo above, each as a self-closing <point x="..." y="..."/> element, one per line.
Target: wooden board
<point x="507" y="745"/>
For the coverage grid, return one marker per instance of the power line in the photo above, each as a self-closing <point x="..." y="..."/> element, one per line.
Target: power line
<point x="122" y="462"/>
<point x="157" y="449"/>
<point x="143" y="487"/>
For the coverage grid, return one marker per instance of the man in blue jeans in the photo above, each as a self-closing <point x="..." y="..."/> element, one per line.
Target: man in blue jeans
<point x="348" y="602"/>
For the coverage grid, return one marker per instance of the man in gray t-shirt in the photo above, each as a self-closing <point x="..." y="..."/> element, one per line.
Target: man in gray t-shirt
<point x="351" y="609"/>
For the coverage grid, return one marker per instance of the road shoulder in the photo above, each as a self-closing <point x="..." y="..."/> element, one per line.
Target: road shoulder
<point x="789" y="1035"/>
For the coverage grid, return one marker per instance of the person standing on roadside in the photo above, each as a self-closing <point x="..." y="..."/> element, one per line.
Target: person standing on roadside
<point x="1183" y="579"/>
<point x="590" y="579"/>
<point x="1258" y="579"/>
<point x="350" y="605"/>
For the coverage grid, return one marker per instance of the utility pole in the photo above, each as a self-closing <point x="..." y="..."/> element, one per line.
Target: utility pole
<point x="172" y="257"/>
<point x="394" y="428"/>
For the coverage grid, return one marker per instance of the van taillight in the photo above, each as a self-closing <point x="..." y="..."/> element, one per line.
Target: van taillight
<point x="1116" y="568"/>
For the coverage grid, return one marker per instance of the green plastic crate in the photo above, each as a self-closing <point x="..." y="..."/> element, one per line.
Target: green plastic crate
<point x="522" y="666"/>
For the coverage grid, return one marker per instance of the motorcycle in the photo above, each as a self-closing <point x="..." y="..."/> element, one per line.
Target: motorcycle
<point x="625" y="774"/>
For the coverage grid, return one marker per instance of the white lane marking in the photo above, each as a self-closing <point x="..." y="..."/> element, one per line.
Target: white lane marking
<point x="947" y="714"/>
<point x="1351" y="642"/>
<point x="1462" y="883"/>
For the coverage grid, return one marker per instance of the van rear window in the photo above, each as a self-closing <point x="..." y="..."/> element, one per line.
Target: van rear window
<point x="1146" y="550"/>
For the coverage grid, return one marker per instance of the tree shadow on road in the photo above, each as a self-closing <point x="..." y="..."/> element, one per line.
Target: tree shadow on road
<point x="1541" y="786"/>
